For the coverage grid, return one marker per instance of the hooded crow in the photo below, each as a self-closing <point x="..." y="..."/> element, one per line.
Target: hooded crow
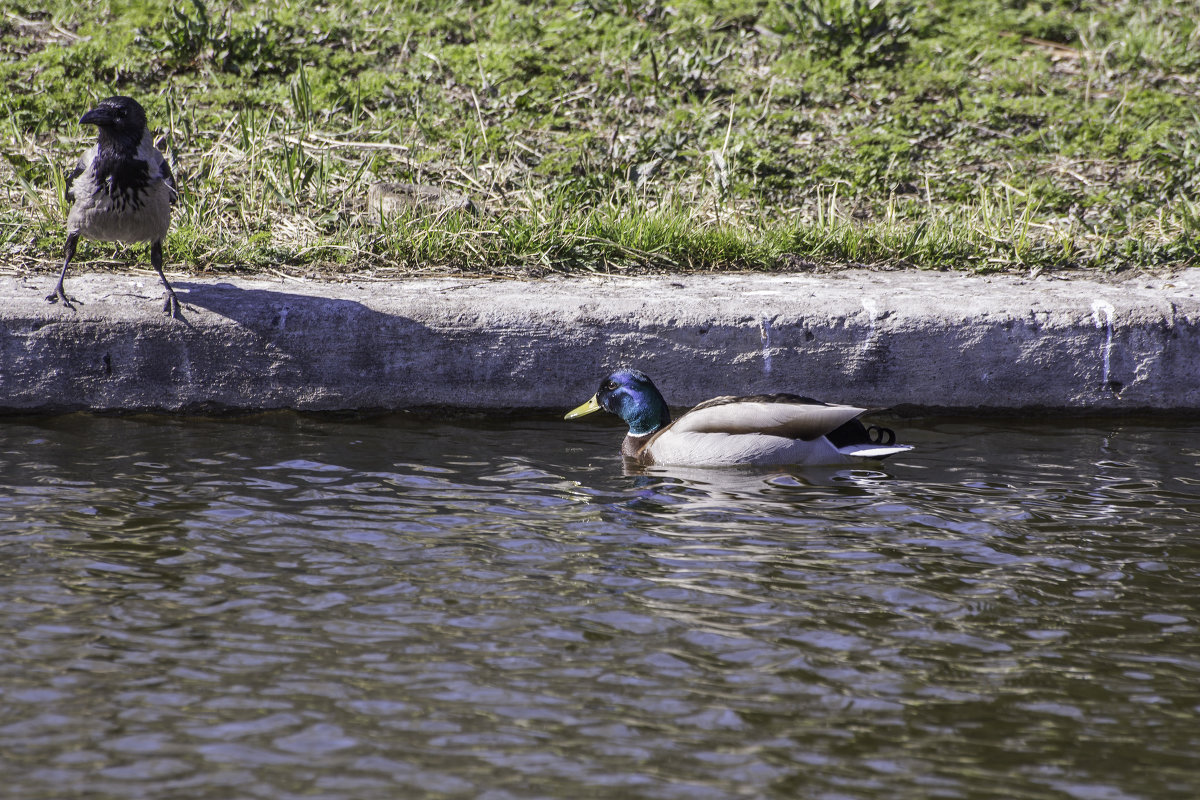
<point x="121" y="190"/>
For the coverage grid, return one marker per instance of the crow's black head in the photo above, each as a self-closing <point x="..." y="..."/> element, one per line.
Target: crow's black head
<point x="121" y="117"/>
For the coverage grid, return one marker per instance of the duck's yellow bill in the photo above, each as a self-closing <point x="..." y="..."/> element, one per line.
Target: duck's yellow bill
<point x="587" y="408"/>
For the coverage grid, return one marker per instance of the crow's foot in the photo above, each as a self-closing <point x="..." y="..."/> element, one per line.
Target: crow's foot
<point x="171" y="306"/>
<point x="60" y="294"/>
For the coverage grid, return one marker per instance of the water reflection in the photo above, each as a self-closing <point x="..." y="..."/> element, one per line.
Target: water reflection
<point x="288" y="605"/>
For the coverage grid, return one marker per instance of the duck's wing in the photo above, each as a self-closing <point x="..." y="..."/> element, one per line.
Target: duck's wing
<point x="789" y="415"/>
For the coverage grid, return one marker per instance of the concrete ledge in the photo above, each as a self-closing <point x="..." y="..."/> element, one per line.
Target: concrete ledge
<point x="912" y="339"/>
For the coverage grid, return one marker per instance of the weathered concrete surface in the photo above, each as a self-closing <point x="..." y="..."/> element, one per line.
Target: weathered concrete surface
<point x="918" y="340"/>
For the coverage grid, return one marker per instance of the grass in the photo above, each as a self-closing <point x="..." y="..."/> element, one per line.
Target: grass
<point x="626" y="135"/>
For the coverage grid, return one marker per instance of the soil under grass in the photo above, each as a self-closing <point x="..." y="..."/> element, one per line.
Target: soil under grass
<point x="623" y="136"/>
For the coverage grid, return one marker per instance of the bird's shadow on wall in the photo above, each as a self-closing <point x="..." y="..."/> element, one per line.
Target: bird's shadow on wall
<point x="265" y="310"/>
<point x="323" y="344"/>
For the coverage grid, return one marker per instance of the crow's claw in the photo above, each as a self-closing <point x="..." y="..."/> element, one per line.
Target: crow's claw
<point x="171" y="306"/>
<point x="59" y="294"/>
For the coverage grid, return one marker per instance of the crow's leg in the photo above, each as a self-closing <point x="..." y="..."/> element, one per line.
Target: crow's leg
<point x="170" y="302"/>
<point x="68" y="253"/>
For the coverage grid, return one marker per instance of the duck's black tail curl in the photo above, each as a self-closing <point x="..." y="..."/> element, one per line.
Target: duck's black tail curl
<point x="880" y="435"/>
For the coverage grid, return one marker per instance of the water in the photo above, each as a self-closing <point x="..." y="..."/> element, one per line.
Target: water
<point x="286" y="607"/>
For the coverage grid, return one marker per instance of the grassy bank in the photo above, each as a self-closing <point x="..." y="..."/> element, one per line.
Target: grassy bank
<point x="602" y="135"/>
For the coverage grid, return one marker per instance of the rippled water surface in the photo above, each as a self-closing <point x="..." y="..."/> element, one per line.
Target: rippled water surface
<point x="287" y="607"/>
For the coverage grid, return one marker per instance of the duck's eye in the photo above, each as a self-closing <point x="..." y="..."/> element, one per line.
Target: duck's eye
<point x="610" y="385"/>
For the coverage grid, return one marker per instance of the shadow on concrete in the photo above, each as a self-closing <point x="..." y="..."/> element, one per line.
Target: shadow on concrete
<point x="308" y="351"/>
<point x="263" y="309"/>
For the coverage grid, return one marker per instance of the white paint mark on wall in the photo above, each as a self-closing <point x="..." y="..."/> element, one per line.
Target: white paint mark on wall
<point x="1106" y="308"/>
<point x="186" y="364"/>
<point x="872" y="314"/>
<point x="764" y="329"/>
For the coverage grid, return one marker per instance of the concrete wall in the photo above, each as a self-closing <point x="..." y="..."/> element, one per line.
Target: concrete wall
<point x="913" y="339"/>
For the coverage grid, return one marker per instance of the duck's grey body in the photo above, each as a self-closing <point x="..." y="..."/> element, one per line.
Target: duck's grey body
<point x="762" y="430"/>
<point x="755" y="431"/>
<point x="733" y="450"/>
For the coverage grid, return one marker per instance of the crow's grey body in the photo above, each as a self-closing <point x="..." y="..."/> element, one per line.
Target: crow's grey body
<point x="121" y="190"/>
<point x="109" y="208"/>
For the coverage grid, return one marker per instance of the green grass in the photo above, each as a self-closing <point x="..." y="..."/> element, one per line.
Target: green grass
<point x="618" y="135"/>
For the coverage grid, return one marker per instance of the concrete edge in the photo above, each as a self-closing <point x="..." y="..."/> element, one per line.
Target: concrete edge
<point x="916" y="342"/>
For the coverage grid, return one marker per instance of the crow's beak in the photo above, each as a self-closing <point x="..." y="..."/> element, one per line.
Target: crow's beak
<point x="97" y="116"/>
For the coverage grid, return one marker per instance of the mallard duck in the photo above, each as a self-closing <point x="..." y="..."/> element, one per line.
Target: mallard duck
<point x="769" y="429"/>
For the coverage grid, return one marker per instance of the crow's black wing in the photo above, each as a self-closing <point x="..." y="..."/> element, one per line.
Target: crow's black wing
<point x="71" y="176"/>
<point x="169" y="179"/>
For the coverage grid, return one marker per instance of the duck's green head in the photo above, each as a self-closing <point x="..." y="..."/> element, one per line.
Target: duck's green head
<point x="631" y="396"/>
